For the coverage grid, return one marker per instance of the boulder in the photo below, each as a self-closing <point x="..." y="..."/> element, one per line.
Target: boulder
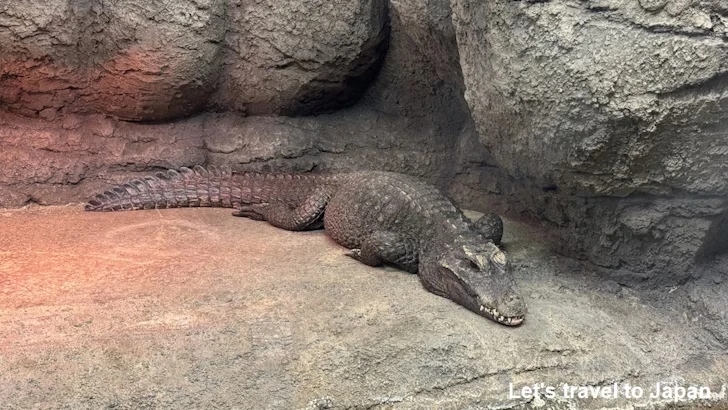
<point x="611" y="117"/>
<point x="301" y="57"/>
<point x="153" y="60"/>
<point x="136" y="60"/>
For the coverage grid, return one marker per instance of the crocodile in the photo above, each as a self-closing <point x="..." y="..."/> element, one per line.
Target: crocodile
<point x="382" y="217"/>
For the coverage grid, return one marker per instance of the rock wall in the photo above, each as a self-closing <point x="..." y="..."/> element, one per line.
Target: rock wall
<point x="611" y="120"/>
<point x="301" y="57"/>
<point x="158" y="60"/>
<point x="136" y="60"/>
<point x="47" y="164"/>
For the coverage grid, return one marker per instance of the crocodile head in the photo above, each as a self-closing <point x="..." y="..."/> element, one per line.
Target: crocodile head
<point x="480" y="278"/>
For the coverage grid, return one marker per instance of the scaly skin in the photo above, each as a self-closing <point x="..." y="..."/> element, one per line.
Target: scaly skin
<point x="383" y="217"/>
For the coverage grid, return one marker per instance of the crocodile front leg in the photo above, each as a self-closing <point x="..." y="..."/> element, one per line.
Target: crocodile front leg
<point x="390" y="247"/>
<point x="306" y="216"/>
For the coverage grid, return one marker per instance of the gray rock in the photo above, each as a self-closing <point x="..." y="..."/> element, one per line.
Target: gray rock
<point x="61" y="162"/>
<point x="429" y="24"/>
<point x="192" y="308"/>
<point x="596" y="100"/>
<point x="154" y="60"/>
<point x="139" y="60"/>
<point x="302" y="57"/>
<point x="411" y="83"/>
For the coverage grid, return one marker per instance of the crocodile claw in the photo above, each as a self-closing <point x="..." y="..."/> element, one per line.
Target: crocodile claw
<point x="355" y="254"/>
<point x="247" y="211"/>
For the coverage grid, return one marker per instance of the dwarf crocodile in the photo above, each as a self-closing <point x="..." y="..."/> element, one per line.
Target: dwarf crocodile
<point x="382" y="217"/>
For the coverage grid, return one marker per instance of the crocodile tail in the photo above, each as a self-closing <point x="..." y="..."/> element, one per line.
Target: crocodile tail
<point x="199" y="186"/>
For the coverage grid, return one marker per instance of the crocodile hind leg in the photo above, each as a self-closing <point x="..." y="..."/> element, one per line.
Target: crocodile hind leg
<point x="306" y="216"/>
<point x="389" y="247"/>
<point x="491" y="226"/>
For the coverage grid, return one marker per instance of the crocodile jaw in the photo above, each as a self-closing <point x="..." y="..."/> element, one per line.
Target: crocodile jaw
<point x="493" y="314"/>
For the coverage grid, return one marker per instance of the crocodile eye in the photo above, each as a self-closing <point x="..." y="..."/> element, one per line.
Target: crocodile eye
<point x="474" y="265"/>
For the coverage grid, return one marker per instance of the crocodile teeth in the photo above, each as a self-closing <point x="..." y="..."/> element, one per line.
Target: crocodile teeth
<point x="511" y="321"/>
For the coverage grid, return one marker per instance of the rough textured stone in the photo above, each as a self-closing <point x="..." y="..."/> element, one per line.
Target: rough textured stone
<point x="152" y="60"/>
<point x="301" y="57"/>
<point x="429" y="24"/>
<point x="605" y="99"/>
<point x="51" y="162"/>
<point x="643" y="240"/>
<point x="610" y="99"/>
<point x="140" y="60"/>
<point x="708" y="297"/>
<point x="409" y="85"/>
<point x="192" y="308"/>
<point x="87" y="153"/>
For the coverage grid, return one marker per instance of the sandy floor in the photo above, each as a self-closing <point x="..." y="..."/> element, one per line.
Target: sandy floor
<point x="195" y="309"/>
